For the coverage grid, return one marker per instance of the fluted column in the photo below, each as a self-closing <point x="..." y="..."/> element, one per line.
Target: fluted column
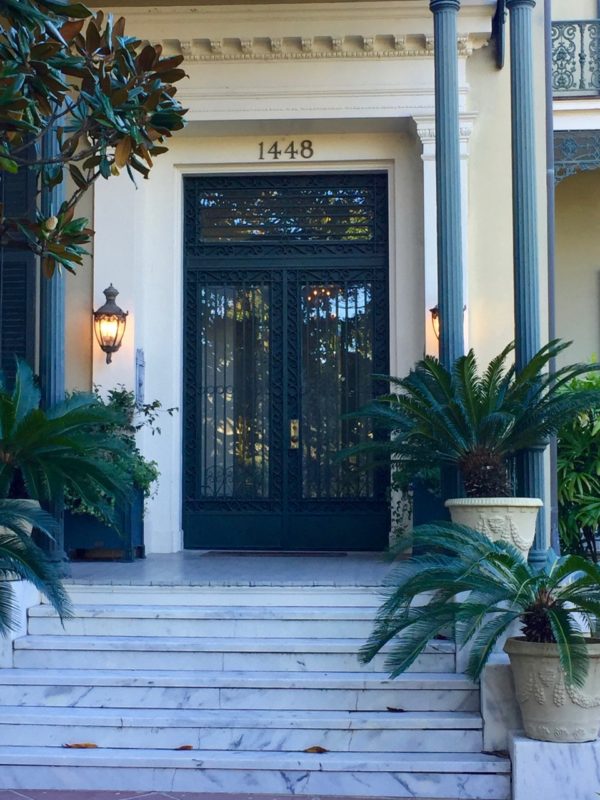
<point x="52" y="347"/>
<point x="447" y="152"/>
<point x="530" y="467"/>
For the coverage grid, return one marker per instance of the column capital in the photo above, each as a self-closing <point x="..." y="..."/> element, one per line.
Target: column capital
<point x="444" y="5"/>
<point x="520" y="3"/>
<point x="425" y="125"/>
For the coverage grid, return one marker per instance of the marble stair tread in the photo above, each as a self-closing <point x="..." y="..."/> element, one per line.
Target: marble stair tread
<point x="317" y="720"/>
<point x="204" y="644"/>
<point x="116" y="593"/>
<point x="257" y="760"/>
<point x="212" y="612"/>
<point x="233" y="679"/>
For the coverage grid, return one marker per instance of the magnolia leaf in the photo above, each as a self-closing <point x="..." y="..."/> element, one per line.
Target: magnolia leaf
<point x="8" y="165"/>
<point x="122" y="152"/>
<point x="316" y="748"/>
<point x="92" y="36"/>
<point x="70" y="29"/>
<point x="147" y="58"/>
<point x="168" y="63"/>
<point x="185" y="747"/>
<point x="77" y="176"/>
<point x="48" y="266"/>
<point x="171" y="75"/>
<point x="119" y="27"/>
<point x="81" y="746"/>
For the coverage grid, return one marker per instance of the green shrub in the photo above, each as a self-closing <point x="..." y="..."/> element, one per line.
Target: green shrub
<point x="579" y="475"/>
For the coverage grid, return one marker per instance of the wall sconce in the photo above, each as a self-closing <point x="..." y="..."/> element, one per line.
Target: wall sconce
<point x="109" y="324"/>
<point x="435" y="320"/>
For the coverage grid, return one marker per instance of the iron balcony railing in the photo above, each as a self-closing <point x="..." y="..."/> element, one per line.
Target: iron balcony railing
<point x="576" y="57"/>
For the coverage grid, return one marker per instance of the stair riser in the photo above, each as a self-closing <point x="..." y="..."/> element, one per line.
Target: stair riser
<point x="240" y="698"/>
<point x="240" y="739"/>
<point x="437" y="786"/>
<point x="296" y="662"/>
<point x="248" y="596"/>
<point x="250" y="628"/>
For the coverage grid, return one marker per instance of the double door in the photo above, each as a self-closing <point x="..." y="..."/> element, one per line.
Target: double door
<point x="284" y="330"/>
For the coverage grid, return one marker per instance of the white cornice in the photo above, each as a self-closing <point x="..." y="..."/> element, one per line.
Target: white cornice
<point x="287" y="48"/>
<point x="394" y="10"/>
<point x="577" y="114"/>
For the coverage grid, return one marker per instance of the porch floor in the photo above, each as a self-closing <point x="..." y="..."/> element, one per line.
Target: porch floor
<point x="60" y="794"/>
<point x="213" y="568"/>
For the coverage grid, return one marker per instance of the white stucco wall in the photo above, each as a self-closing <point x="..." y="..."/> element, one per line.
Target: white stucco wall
<point x="148" y="267"/>
<point x="578" y="265"/>
<point x="574" y="9"/>
<point x="361" y="112"/>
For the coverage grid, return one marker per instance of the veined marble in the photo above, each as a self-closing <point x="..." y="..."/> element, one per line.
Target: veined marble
<point x="250" y="689"/>
<point x="257" y="730"/>
<point x="423" y="775"/>
<point x="499" y="706"/>
<point x="554" y="771"/>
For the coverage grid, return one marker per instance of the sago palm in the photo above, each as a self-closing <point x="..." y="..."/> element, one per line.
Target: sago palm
<point x="459" y="578"/>
<point x="22" y="559"/>
<point x="476" y="421"/>
<point x="69" y="446"/>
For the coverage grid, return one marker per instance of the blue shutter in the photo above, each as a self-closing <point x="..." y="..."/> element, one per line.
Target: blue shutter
<point x="17" y="278"/>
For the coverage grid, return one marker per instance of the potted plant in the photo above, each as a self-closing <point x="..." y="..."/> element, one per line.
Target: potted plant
<point x="89" y="530"/>
<point x="45" y="452"/>
<point x="22" y="559"/>
<point x="458" y="577"/>
<point x="476" y="423"/>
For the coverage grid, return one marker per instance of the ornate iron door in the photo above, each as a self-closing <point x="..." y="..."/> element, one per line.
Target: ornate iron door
<point x="286" y="321"/>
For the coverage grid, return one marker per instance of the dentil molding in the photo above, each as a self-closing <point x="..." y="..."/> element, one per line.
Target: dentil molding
<point x="266" y="48"/>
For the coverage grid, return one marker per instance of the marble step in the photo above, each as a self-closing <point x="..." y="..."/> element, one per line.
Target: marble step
<point x="407" y="775"/>
<point x="187" y="653"/>
<point x="117" y="593"/>
<point x="233" y="621"/>
<point x="459" y="732"/>
<point x="237" y="690"/>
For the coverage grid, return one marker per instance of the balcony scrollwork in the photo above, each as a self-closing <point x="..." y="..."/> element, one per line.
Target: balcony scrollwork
<point x="576" y="58"/>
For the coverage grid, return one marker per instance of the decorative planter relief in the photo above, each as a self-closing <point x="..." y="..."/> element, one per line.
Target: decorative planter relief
<point x="552" y="711"/>
<point x="507" y="519"/>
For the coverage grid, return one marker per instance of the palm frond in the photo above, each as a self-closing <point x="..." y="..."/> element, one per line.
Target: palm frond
<point x="454" y="416"/>
<point x="485" y="639"/>
<point x="8" y="608"/>
<point x="572" y="650"/>
<point x="457" y="576"/>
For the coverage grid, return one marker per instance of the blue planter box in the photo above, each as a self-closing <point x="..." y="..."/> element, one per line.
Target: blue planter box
<point x="89" y="539"/>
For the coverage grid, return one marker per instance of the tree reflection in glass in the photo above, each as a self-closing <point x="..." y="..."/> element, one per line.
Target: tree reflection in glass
<point x="234" y="392"/>
<point x="337" y="351"/>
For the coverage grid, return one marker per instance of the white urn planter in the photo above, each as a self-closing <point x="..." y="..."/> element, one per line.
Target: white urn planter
<point x="507" y="519"/>
<point x="552" y="711"/>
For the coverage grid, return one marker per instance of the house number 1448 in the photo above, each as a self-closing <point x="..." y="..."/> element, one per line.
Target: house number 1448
<point x="274" y="152"/>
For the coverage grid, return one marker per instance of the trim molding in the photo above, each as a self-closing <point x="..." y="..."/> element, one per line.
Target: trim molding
<point x="291" y="48"/>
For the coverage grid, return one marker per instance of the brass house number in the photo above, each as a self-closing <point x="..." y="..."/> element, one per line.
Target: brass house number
<point x="276" y="151"/>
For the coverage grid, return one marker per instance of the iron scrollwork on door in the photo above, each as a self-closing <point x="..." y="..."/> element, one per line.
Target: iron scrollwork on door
<point x="285" y="321"/>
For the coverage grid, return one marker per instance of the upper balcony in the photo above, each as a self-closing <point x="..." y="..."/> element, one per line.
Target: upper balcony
<point x="576" y="58"/>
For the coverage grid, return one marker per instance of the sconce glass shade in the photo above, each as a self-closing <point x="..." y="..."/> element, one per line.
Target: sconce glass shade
<point x="109" y="324"/>
<point x="435" y="320"/>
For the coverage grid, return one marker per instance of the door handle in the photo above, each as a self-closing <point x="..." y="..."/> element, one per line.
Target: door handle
<point x="294" y="434"/>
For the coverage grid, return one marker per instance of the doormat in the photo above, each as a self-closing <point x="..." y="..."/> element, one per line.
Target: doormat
<point x="277" y="553"/>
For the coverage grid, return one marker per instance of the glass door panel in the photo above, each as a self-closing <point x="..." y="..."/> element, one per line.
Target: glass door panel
<point x="234" y="343"/>
<point x="337" y="364"/>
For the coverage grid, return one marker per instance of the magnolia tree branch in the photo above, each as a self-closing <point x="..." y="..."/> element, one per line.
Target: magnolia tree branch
<point x="107" y="101"/>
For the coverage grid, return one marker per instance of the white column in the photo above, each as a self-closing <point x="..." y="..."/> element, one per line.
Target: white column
<point x="426" y="133"/>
